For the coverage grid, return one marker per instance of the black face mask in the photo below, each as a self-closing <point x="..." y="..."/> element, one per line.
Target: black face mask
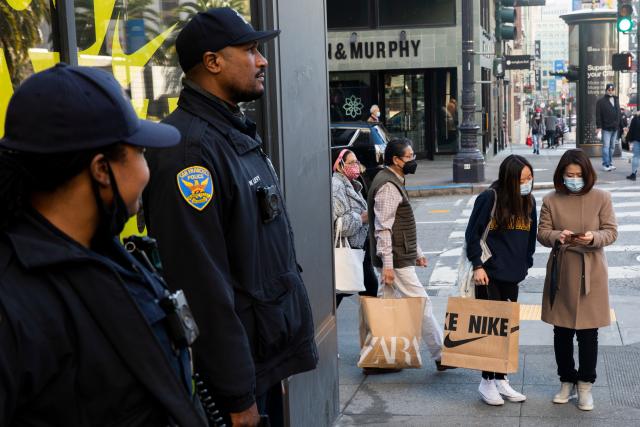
<point x="112" y="220"/>
<point x="409" y="167"/>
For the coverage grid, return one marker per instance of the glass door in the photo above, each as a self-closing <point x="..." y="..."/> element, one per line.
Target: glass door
<point x="404" y="108"/>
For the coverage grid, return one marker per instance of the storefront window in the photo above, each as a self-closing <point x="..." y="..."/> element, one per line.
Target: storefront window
<point x="350" y="96"/>
<point x="416" y="12"/>
<point x="347" y="14"/>
<point x="135" y="40"/>
<point x="26" y="45"/>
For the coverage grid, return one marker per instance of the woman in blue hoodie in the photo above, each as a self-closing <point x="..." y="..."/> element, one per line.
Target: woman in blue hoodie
<point x="512" y="241"/>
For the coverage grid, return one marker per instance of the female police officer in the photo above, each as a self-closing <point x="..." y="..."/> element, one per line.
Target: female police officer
<point x="82" y="323"/>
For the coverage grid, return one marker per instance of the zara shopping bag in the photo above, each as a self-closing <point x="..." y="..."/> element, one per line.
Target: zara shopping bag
<point x="390" y="332"/>
<point x="347" y="264"/>
<point x="465" y="268"/>
<point x="481" y="334"/>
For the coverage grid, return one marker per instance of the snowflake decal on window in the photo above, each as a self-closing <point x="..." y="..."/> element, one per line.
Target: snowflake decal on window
<point x="353" y="106"/>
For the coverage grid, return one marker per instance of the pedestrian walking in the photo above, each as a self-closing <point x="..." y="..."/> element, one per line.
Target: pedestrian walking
<point x="512" y="241"/>
<point x="215" y="205"/>
<point x="633" y="138"/>
<point x="394" y="239"/>
<point x="374" y="114"/>
<point x="536" y="130"/>
<point x="350" y="206"/>
<point x="578" y="221"/>
<point x="83" y="324"/>
<point x="550" y="122"/>
<point x="607" y="124"/>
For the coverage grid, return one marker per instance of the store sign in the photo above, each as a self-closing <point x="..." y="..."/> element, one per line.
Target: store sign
<point x="518" y="62"/>
<point x="373" y="49"/>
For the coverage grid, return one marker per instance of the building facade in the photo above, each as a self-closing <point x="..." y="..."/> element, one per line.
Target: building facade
<point x="405" y="56"/>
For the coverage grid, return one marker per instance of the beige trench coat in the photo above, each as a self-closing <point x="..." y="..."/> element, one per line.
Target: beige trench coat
<point x="582" y="298"/>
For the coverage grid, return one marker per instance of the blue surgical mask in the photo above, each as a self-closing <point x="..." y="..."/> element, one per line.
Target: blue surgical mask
<point x="525" y="189"/>
<point x="574" y="184"/>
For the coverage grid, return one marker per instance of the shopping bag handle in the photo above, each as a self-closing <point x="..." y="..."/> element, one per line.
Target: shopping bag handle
<point x="340" y="241"/>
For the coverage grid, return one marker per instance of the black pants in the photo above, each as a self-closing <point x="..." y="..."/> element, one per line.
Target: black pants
<point x="587" y="354"/>
<point x="497" y="290"/>
<point x="370" y="279"/>
<point x="270" y="404"/>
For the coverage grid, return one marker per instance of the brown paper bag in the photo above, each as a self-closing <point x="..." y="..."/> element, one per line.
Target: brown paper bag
<point x="390" y="332"/>
<point x="482" y="335"/>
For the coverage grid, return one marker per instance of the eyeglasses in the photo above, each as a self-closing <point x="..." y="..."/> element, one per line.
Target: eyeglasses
<point x="352" y="162"/>
<point x="408" y="158"/>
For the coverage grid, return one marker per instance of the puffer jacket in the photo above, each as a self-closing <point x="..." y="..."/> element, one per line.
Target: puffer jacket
<point x="349" y="204"/>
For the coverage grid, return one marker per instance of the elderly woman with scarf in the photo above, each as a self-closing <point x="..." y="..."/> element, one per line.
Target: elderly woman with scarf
<point x="578" y="221"/>
<point x="350" y="206"/>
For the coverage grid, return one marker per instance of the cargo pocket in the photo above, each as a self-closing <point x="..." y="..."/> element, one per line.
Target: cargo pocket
<point x="278" y="316"/>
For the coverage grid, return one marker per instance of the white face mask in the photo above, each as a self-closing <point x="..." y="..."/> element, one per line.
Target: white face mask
<point x="574" y="184"/>
<point x="377" y="113"/>
<point x="525" y="189"/>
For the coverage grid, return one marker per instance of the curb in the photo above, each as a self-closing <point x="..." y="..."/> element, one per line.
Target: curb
<point x="455" y="189"/>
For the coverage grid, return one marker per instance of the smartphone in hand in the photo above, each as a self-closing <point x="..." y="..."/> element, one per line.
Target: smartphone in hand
<point x="577" y="235"/>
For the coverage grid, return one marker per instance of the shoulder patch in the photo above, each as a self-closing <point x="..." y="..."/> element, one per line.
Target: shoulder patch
<point x="196" y="186"/>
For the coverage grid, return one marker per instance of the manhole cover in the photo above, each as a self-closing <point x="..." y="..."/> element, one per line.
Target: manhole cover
<point x="623" y="373"/>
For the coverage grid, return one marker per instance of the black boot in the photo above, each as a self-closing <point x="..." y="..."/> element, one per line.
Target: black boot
<point x="632" y="177"/>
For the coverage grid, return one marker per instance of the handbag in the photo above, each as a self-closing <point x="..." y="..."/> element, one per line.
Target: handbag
<point x="465" y="268"/>
<point x="529" y="141"/>
<point x="347" y="264"/>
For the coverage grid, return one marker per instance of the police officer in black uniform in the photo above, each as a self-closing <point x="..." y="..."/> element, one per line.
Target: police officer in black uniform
<point x="215" y="207"/>
<point x="88" y="334"/>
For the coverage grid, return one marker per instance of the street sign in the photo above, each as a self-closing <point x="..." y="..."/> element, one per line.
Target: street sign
<point x="558" y="65"/>
<point x="552" y="85"/>
<point x="537" y="49"/>
<point x="518" y="62"/>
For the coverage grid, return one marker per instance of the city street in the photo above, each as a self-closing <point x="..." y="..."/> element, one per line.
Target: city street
<point x="426" y="397"/>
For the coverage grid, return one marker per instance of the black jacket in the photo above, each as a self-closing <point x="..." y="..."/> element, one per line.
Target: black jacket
<point x="76" y="348"/>
<point x="634" y="129"/>
<point x="239" y="273"/>
<point x="607" y="115"/>
<point x="511" y="249"/>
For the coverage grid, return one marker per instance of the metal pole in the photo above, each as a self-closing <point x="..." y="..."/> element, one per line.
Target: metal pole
<point x="468" y="163"/>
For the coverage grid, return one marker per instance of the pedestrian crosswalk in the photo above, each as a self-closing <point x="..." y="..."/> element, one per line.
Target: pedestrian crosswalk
<point x="623" y="256"/>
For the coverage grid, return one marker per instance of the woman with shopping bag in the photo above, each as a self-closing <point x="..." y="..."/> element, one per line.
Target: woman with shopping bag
<point x="350" y="219"/>
<point x="393" y="238"/>
<point x="500" y="241"/>
<point x="578" y="221"/>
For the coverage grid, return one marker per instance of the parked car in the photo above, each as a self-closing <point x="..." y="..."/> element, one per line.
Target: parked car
<point x="366" y="139"/>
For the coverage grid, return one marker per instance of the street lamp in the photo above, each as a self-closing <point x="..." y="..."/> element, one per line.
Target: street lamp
<point x="468" y="163"/>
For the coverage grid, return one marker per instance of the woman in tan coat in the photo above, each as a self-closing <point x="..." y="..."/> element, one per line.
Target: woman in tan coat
<point x="578" y="222"/>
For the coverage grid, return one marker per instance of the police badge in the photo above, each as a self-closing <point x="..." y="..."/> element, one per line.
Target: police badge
<point x="196" y="186"/>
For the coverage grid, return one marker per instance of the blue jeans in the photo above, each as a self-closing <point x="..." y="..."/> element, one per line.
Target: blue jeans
<point x="536" y="142"/>
<point x="609" y="138"/>
<point x="636" y="156"/>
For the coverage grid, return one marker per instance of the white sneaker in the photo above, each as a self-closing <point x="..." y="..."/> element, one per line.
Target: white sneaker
<point x="606" y="168"/>
<point x="490" y="393"/>
<point x="585" y="398"/>
<point x="612" y="168"/>
<point x="509" y="393"/>
<point x="567" y="391"/>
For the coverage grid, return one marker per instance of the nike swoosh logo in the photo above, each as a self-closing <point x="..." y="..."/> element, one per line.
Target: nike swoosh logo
<point x="451" y="344"/>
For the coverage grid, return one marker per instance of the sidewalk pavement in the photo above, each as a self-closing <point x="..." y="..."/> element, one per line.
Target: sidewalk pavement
<point x="426" y="397"/>
<point x="435" y="177"/>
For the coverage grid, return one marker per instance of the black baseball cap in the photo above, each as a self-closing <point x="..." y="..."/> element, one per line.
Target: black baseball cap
<point x="67" y="108"/>
<point x="213" y="30"/>
<point x="609" y="86"/>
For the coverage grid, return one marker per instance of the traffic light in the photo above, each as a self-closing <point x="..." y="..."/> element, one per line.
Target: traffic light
<point x="505" y="18"/>
<point x="622" y="61"/>
<point x="625" y="16"/>
<point x="499" y="66"/>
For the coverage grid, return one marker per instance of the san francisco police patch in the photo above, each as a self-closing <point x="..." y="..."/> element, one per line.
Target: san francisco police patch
<point x="196" y="186"/>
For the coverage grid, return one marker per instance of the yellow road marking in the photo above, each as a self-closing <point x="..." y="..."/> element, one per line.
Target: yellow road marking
<point x="439" y="211"/>
<point x="534" y="311"/>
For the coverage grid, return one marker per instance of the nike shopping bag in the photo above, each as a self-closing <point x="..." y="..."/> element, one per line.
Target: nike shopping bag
<point x="481" y="334"/>
<point x="390" y="332"/>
